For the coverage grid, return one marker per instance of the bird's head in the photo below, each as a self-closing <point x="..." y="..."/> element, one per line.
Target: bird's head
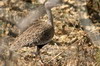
<point x="52" y="3"/>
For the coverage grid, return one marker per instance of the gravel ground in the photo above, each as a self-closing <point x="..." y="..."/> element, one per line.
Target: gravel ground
<point x="69" y="47"/>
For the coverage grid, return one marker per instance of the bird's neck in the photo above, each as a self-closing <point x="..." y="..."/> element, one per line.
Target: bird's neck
<point x="50" y="18"/>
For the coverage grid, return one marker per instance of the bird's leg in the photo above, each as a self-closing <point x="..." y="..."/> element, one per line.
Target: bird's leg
<point x="38" y="51"/>
<point x="38" y="56"/>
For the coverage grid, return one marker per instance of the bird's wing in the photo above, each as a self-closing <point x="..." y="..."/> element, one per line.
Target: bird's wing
<point x="33" y="34"/>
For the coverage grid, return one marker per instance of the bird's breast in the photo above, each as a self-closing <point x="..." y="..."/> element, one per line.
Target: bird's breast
<point x="46" y="36"/>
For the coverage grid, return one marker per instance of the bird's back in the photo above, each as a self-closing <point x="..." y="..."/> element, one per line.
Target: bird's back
<point x="38" y="34"/>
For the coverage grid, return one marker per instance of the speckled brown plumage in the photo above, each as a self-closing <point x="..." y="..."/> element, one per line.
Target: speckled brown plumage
<point x="38" y="34"/>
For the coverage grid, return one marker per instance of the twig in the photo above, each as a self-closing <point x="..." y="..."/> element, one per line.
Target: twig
<point x="55" y="56"/>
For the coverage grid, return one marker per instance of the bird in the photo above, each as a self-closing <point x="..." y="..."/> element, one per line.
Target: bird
<point x="39" y="34"/>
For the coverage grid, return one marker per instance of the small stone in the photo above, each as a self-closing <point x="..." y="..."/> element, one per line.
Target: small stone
<point x="7" y="9"/>
<point x="41" y="1"/>
<point x="64" y="6"/>
<point x="1" y="3"/>
<point x="13" y="1"/>
<point x="64" y="38"/>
